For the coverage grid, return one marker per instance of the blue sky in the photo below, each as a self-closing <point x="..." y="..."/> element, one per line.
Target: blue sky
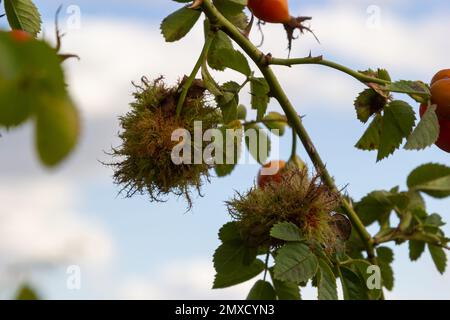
<point x="139" y="249"/>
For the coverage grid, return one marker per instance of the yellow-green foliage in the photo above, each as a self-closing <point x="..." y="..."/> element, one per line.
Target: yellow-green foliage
<point x="145" y="164"/>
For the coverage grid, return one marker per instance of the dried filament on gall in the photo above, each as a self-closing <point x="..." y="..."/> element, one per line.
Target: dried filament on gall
<point x="297" y="198"/>
<point x="144" y="159"/>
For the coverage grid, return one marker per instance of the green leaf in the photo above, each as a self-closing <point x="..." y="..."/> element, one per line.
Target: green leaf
<point x="258" y="142"/>
<point x="385" y="254"/>
<point x="286" y="290"/>
<point x="326" y="282"/>
<point x="439" y="257"/>
<point x="57" y="130"/>
<point x="221" y="54"/>
<point x="426" y="133"/>
<point x="398" y="122"/>
<point x="371" y="138"/>
<point x="368" y="103"/>
<point x="262" y="290"/>
<point x="259" y="90"/>
<point x="383" y="74"/>
<point x="286" y="231"/>
<point x="295" y="263"/>
<point x="276" y="122"/>
<point x="385" y="258"/>
<point x="416" y="89"/>
<point x="23" y="15"/>
<point x="229" y="256"/>
<point x="416" y="248"/>
<point x="229" y="101"/>
<point x="175" y="26"/>
<point x="233" y="11"/>
<point x="229" y="232"/>
<point x="434" y="220"/>
<point x="362" y="268"/>
<point x="220" y="42"/>
<point x="229" y="149"/>
<point x="234" y="262"/>
<point x="234" y="60"/>
<point x="242" y="112"/>
<point x="376" y="206"/>
<point x="238" y="275"/>
<point x="353" y="285"/>
<point x="432" y="179"/>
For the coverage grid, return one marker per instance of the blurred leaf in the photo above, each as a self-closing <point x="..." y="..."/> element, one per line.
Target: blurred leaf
<point x="32" y="85"/>
<point x="25" y="292"/>
<point x="57" y="130"/>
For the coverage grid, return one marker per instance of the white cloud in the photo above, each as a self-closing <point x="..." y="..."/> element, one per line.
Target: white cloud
<point x="188" y="280"/>
<point x="39" y="227"/>
<point x="181" y="280"/>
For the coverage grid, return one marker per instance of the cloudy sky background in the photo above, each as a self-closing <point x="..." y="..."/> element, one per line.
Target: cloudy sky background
<point x="131" y="248"/>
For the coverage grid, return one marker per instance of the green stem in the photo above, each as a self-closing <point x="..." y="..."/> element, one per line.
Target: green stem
<point x="398" y="235"/>
<point x="187" y="85"/>
<point x="320" y="61"/>
<point x="294" y="145"/>
<point x="278" y="93"/>
<point x="267" y="265"/>
<point x="264" y="121"/>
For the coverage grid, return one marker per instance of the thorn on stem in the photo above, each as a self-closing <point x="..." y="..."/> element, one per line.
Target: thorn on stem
<point x="248" y="29"/>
